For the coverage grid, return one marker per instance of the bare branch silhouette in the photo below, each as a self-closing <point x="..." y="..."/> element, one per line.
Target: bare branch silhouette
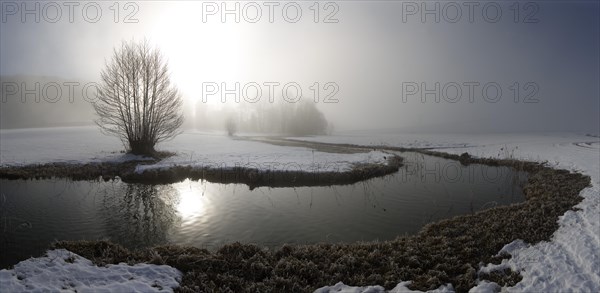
<point x="136" y="100"/>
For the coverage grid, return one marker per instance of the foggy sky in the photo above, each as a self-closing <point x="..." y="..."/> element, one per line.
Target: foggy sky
<point x="369" y="53"/>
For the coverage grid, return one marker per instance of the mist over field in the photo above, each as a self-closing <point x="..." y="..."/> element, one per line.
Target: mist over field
<point x="69" y="110"/>
<point x="379" y="65"/>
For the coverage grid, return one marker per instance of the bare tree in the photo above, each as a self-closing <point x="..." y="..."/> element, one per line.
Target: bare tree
<point x="136" y="101"/>
<point x="231" y="126"/>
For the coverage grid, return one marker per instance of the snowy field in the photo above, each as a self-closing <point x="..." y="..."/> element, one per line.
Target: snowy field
<point x="569" y="262"/>
<point x="87" y="144"/>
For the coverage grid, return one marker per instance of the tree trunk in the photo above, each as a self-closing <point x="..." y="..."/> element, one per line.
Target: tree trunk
<point x="142" y="147"/>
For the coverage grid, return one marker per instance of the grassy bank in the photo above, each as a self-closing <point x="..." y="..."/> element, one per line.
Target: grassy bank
<point x="448" y="251"/>
<point x="243" y="175"/>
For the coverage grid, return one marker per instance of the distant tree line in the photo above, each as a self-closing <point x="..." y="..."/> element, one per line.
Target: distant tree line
<point x="301" y="118"/>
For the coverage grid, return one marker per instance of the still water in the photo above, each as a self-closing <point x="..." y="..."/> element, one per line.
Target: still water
<point x="203" y="214"/>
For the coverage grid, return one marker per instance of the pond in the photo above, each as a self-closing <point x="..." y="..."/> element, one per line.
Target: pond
<point x="36" y="213"/>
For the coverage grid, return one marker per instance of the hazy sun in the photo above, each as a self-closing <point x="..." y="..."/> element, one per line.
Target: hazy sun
<point x="197" y="52"/>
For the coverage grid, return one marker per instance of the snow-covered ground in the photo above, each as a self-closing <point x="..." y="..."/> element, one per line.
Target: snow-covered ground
<point x="64" y="271"/>
<point x="87" y="144"/>
<point x="385" y="138"/>
<point x="400" y="288"/>
<point x="570" y="262"/>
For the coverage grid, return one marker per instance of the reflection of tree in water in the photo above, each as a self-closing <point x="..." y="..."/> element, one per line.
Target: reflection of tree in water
<point x="140" y="215"/>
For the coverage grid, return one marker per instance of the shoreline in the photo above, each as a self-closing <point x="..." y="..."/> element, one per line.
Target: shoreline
<point x="251" y="177"/>
<point x="447" y="251"/>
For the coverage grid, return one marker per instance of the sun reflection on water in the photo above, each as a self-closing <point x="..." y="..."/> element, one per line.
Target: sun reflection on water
<point x="192" y="201"/>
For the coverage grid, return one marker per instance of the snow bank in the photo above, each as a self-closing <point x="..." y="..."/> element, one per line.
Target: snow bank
<point x="62" y="270"/>
<point x="295" y="159"/>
